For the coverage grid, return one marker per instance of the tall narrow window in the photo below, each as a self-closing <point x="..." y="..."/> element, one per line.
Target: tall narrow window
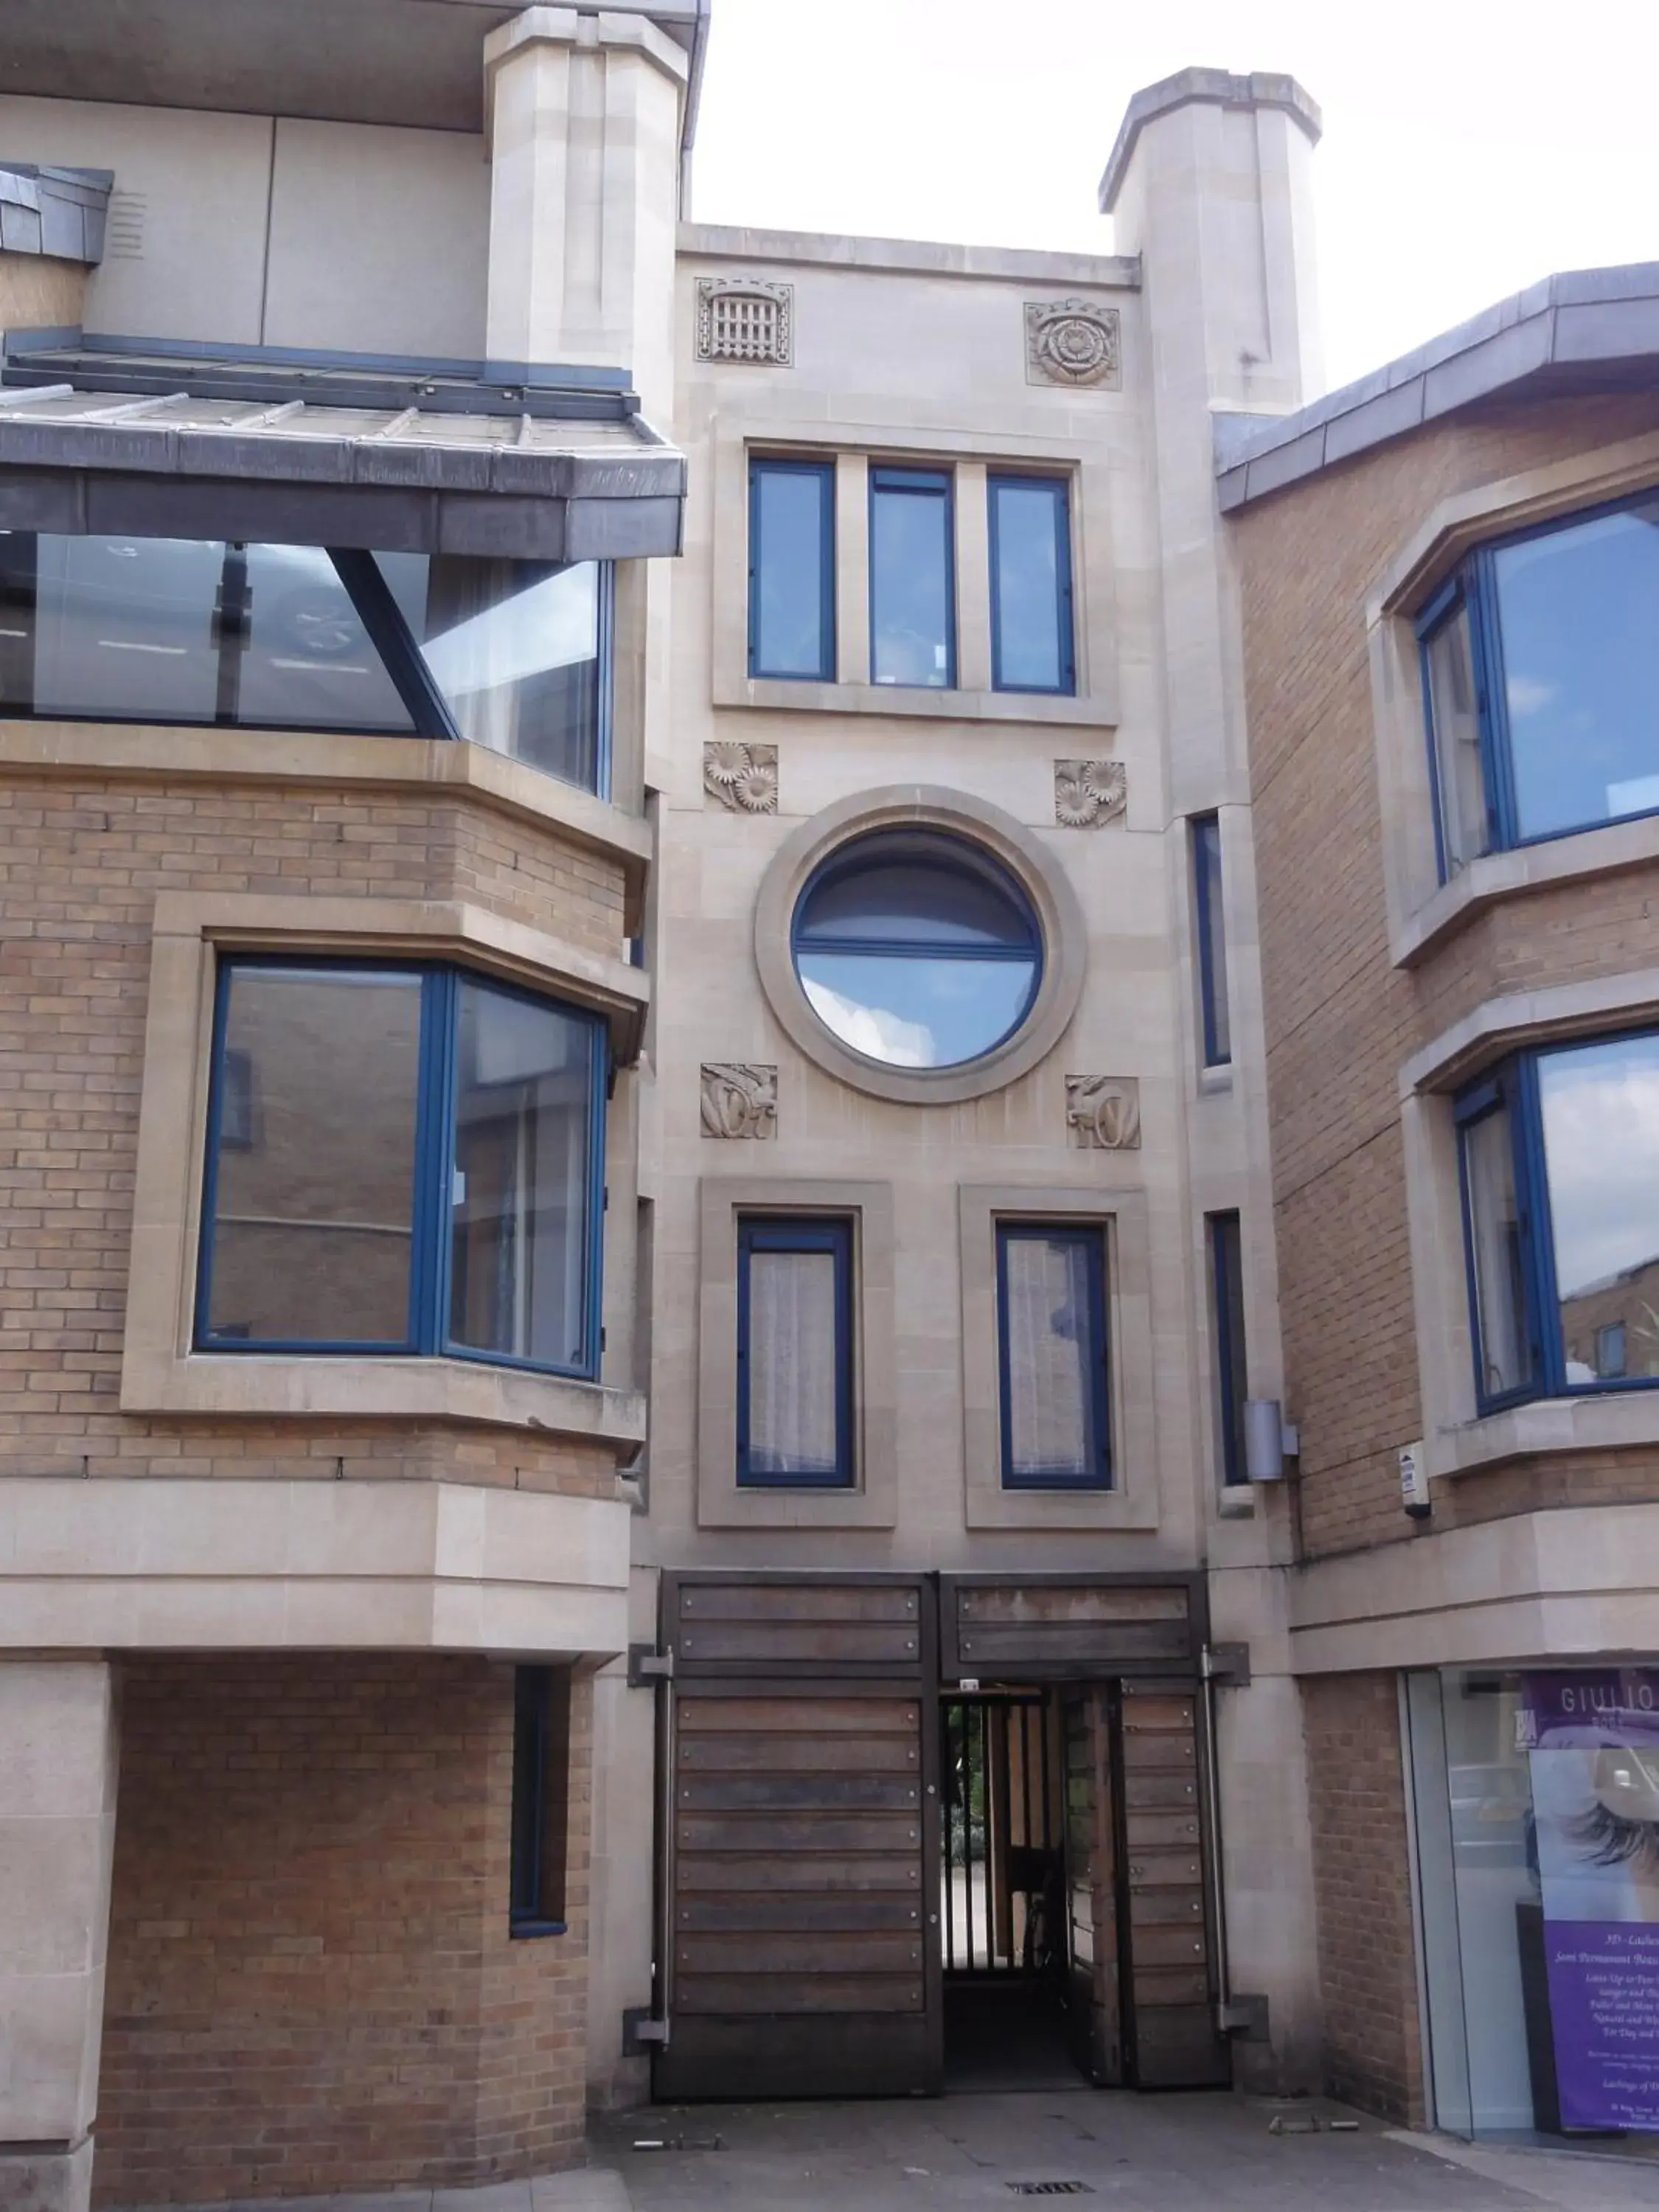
<point x="795" y="1354"/>
<point x="1032" y="626"/>
<point x="1215" y="1018"/>
<point x="912" y="578"/>
<point x="1503" y="1361"/>
<point x="792" y="569"/>
<point x="541" y="1800"/>
<point x="1053" y="1358"/>
<point x="1449" y="681"/>
<point x="1227" y="1295"/>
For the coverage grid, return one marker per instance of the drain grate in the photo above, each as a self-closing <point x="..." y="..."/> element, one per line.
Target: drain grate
<point x="1051" y="2189"/>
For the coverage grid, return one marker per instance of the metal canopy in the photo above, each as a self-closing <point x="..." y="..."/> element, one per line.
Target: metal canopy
<point x="164" y="447"/>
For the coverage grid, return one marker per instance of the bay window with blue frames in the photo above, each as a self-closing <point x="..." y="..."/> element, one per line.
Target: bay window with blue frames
<point x="1540" y="663"/>
<point x="1053" y="1382"/>
<point x="513" y="655"/>
<point x="402" y="1159"/>
<point x="792" y="570"/>
<point x="913" y="585"/>
<point x="1558" y="1151"/>
<point x="1032" y="641"/>
<point x="795" y="1337"/>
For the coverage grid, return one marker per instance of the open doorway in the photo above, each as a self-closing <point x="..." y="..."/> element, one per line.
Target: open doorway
<point x="1003" y="1892"/>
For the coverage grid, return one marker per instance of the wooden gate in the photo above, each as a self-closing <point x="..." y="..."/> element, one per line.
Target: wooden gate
<point x="802" y="1843"/>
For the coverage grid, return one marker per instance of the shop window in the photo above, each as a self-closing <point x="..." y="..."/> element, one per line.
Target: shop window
<point x="511" y="654"/>
<point x="912" y="578"/>
<point x="541" y="1800"/>
<point x="917" y="949"/>
<point x="1560" y="1154"/>
<point x="1215" y="1023"/>
<point x="1031" y="620"/>
<point x="1540" y="658"/>
<point x="795" y="1337"/>
<point x="1536" y="1801"/>
<point x="1227" y="1294"/>
<point x="401" y="1160"/>
<point x="792" y="570"/>
<point x="1052" y="1357"/>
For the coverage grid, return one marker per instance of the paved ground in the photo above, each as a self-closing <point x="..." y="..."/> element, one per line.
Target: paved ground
<point x="1171" y="2154"/>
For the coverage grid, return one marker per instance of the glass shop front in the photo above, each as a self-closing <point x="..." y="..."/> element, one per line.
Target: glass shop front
<point x="1536" y="1798"/>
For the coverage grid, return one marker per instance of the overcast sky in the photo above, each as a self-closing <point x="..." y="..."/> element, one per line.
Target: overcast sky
<point x="1471" y="146"/>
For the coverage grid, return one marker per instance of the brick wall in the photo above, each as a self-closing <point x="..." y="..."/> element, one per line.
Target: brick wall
<point x="1340" y="1019"/>
<point x="311" y="1984"/>
<point x="84" y="860"/>
<point x="1367" y="1959"/>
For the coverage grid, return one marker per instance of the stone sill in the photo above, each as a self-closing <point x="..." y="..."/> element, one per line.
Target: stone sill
<point x="1544" y="1429"/>
<point x="1604" y="850"/>
<point x="776" y="696"/>
<point x="260" y="1386"/>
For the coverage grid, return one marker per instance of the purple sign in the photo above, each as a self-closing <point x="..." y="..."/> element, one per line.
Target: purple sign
<point x="1592" y="1745"/>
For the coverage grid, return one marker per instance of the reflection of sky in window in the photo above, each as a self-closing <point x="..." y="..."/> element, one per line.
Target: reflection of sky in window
<point x="1580" y="617"/>
<point x="909" y="588"/>
<point x="789" y="575"/>
<point x="1028" y="587"/>
<point x="916" y="1012"/>
<point x="1600" y="1108"/>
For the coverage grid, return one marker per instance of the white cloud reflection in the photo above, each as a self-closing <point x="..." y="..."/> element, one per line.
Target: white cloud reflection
<point x="1600" y="1108"/>
<point x="873" y="1030"/>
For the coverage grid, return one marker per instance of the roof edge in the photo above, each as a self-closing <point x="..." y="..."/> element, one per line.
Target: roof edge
<point x="1213" y="87"/>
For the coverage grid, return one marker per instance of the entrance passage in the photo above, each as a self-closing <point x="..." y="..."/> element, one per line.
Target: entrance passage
<point x="1003" y="1892"/>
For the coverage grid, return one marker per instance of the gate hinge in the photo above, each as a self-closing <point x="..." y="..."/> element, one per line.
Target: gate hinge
<point x="647" y="1665"/>
<point x="1245" y="2016"/>
<point x="1227" y="1663"/>
<point x="640" y="2032"/>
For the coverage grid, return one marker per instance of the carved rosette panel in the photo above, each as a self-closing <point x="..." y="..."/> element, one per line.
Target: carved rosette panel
<point x="1104" y="1113"/>
<point x="739" y="1101"/>
<point x="742" y="319"/>
<point x="1089" y="792"/>
<point x="743" y="778"/>
<point x="1075" y="342"/>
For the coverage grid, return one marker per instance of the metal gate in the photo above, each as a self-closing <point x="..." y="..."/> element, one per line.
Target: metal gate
<point x="802" y="1954"/>
<point x="1003" y="1875"/>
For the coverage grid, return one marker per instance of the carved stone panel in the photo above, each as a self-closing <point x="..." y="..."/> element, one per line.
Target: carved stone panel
<point x="739" y="1101"/>
<point x="743" y="778"/>
<point x="1072" y="341"/>
<point x="1089" y="792"/>
<point x="742" y="319"/>
<point x="1103" y="1112"/>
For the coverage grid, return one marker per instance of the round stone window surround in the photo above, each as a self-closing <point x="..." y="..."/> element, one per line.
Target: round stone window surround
<point x="923" y="806"/>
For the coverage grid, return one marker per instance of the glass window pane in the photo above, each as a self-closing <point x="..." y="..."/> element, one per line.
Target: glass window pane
<point x="520" y="1196"/>
<point x="916" y="1011"/>
<point x="1051" y="1360"/>
<point x="789" y="515"/>
<point x="313" y="1204"/>
<point x="1212" y="943"/>
<point x="513" y="646"/>
<point x="911" y="614"/>
<point x="1031" y="641"/>
<point x="795" y="1362"/>
<point x="118" y="628"/>
<point x="1601" y="1114"/>
<point x="1455" y="720"/>
<point x="1227" y="1263"/>
<point x="307" y="662"/>
<point x="1503" y="1354"/>
<point x="1579" y="610"/>
<point x="896" y="889"/>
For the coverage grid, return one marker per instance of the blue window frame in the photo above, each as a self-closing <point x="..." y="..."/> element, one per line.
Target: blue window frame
<point x="1215" y="1019"/>
<point x="515" y="655"/>
<point x="795" y="1338"/>
<point x="402" y="1159"/>
<point x="541" y="1800"/>
<point x="1053" y="1356"/>
<point x="1558" y="1157"/>
<point x="912" y="586"/>
<point x="1540" y="661"/>
<point x="1227" y="1309"/>
<point x="1032" y="626"/>
<point x="792" y="570"/>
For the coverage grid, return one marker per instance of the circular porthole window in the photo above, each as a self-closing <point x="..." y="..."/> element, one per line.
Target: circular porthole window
<point x="917" y="949"/>
<point x="920" y="945"/>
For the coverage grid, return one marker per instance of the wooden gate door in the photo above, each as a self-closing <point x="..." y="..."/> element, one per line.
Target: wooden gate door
<point x="802" y="1845"/>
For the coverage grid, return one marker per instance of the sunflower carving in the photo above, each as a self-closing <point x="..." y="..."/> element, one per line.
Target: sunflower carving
<point x="1089" y="793"/>
<point x="743" y="778"/>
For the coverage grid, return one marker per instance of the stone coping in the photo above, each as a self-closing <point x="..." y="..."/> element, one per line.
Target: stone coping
<point x="1214" y="88"/>
<point x="906" y="257"/>
<point x="1584" y="329"/>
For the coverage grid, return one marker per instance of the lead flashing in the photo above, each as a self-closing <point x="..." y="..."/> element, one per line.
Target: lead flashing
<point x="1211" y="87"/>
